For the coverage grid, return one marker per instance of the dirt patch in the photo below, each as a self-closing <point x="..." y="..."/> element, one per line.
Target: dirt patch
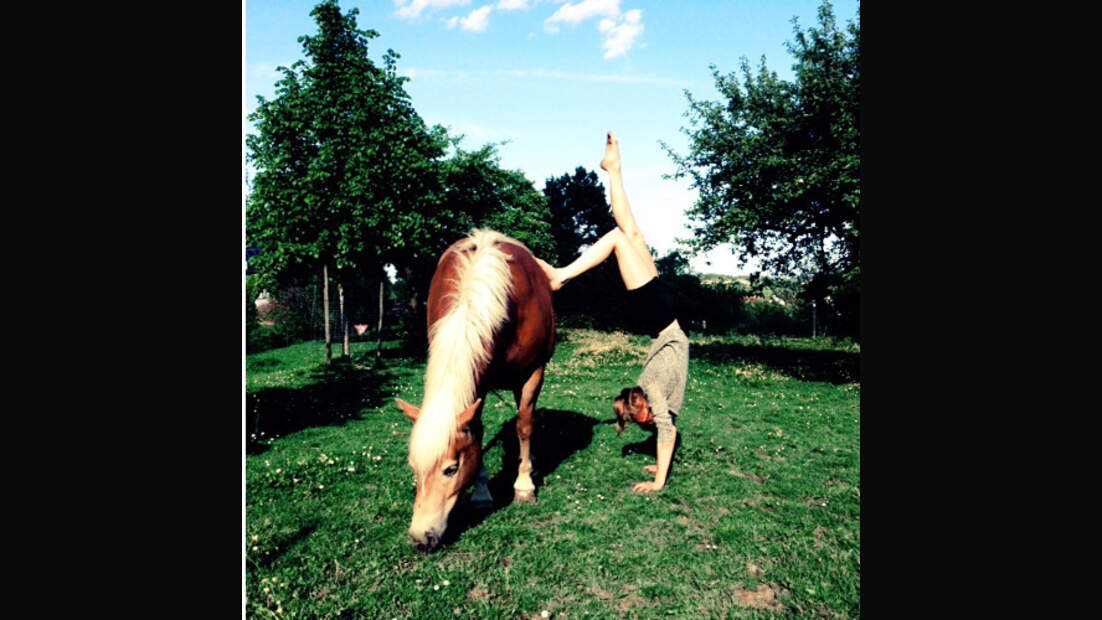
<point x="765" y="597"/>
<point x="595" y="348"/>
<point x="600" y="593"/>
<point x="478" y="594"/>
<point x="753" y="569"/>
<point x="630" y="601"/>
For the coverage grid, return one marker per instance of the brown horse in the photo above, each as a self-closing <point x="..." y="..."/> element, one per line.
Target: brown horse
<point x="490" y="326"/>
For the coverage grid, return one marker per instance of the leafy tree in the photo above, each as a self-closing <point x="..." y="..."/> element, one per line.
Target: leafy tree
<point x="474" y="192"/>
<point x="579" y="213"/>
<point x="345" y="166"/>
<point x="673" y="264"/>
<point x="479" y="193"/>
<point x="777" y="164"/>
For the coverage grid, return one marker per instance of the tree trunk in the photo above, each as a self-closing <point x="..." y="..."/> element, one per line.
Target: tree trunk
<point x="345" y="349"/>
<point x="412" y="290"/>
<point x="418" y="338"/>
<point x="379" y="331"/>
<point x="325" y="308"/>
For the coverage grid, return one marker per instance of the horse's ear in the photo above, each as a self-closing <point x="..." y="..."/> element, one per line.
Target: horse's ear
<point x="468" y="414"/>
<point x="408" y="409"/>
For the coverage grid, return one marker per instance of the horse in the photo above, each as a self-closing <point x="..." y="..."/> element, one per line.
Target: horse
<point x="490" y="326"/>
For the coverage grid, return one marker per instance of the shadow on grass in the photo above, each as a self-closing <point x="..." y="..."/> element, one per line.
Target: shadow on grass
<point x="284" y="543"/>
<point x="649" y="447"/>
<point x="557" y="435"/>
<point x="835" y="367"/>
<point x="336" y="394"/>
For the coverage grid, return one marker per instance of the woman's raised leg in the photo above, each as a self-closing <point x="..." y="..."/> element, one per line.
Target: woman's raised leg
<point x="626" y="241"/>
<point x="634" y="271"/>
<point x="621" y="208"/>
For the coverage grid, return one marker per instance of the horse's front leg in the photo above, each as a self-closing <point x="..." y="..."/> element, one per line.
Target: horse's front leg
<point x="524" y="490"/>
<point x="481" y="498"/>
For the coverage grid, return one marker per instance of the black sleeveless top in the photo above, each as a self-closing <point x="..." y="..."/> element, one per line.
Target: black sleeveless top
<point x="651" y="306"/>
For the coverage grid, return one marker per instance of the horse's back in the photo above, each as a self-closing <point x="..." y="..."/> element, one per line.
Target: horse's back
<point x="527" y="339"/>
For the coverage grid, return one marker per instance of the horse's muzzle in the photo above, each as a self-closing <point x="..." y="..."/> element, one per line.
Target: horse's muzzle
<point x="424" y="542"/>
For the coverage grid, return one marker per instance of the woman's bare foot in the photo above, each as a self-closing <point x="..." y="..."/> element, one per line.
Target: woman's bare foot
<point x="650" y="469"/>
<point x="552" y="274"/>
<point x="612" y="153"/>
<point x="557" y="281"/>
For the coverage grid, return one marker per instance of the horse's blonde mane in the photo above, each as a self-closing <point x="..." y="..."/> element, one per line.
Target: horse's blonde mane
<point x="458" y="343"/>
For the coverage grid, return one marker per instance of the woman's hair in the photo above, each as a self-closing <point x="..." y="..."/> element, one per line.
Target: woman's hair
<point x="628" y="405"/>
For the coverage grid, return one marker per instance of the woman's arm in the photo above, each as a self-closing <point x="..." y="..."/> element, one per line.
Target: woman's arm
<point x="667" y="437"/>
<point x="665" y="455"/>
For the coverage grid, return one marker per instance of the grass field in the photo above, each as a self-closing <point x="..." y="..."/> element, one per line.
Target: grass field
<point x="761" y="514"/>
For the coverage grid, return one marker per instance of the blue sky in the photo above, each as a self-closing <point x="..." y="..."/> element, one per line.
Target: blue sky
<point x="551" y="76"/>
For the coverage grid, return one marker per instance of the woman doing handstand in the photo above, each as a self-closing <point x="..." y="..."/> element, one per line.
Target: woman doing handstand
<point x="659" y="392"/>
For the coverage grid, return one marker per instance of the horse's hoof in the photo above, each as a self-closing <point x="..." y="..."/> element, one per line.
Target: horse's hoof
<point x="528" y="497"/>
<point x="482" y="506"/>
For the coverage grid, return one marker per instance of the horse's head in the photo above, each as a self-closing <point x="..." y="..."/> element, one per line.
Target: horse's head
<point x="440" y="479"/>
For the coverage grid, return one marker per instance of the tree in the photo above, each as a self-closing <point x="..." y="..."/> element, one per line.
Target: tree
<point x="777" y="165"/>
<point x="479" y="193"/>
<point x="579" y="213"/>
<point x="474" y="192"/>
<point x="673" y="264"/>
<point x="345" y="166"/>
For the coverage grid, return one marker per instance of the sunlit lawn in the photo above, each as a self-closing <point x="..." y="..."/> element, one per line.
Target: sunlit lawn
<point x="761" y="514"/>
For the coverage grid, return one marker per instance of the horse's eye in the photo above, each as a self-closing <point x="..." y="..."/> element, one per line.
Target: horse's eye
<point x="451" y="471"/>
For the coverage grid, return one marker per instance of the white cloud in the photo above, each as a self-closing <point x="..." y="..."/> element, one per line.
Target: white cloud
<point x="412" y="9"/>
<point x="574" y="14"/>
<point x="477" y="21"/>
<point x="512" y="5"/>
<point x="620" y="37"/>
<point x="620" y="30"/>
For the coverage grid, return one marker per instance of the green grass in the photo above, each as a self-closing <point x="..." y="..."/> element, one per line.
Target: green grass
<point x="761" y="514"/>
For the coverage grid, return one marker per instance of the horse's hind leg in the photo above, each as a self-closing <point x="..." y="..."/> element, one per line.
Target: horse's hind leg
<point x="524" y="490"/>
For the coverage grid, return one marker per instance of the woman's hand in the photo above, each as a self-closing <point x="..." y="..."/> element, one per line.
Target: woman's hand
<point x="649" y="486"/>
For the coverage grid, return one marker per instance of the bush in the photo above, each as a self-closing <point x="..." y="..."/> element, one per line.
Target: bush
<point x="764" y="317"/>
<point x="291" y="317"/>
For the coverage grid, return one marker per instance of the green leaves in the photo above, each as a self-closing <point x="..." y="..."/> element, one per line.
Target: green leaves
<point x="339" y="152"/>
<point x="579" y="213"/>
<point x="777" y="164"/>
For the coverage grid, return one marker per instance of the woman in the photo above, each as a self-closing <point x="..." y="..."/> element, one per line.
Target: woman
<point x="659" y="392"/>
